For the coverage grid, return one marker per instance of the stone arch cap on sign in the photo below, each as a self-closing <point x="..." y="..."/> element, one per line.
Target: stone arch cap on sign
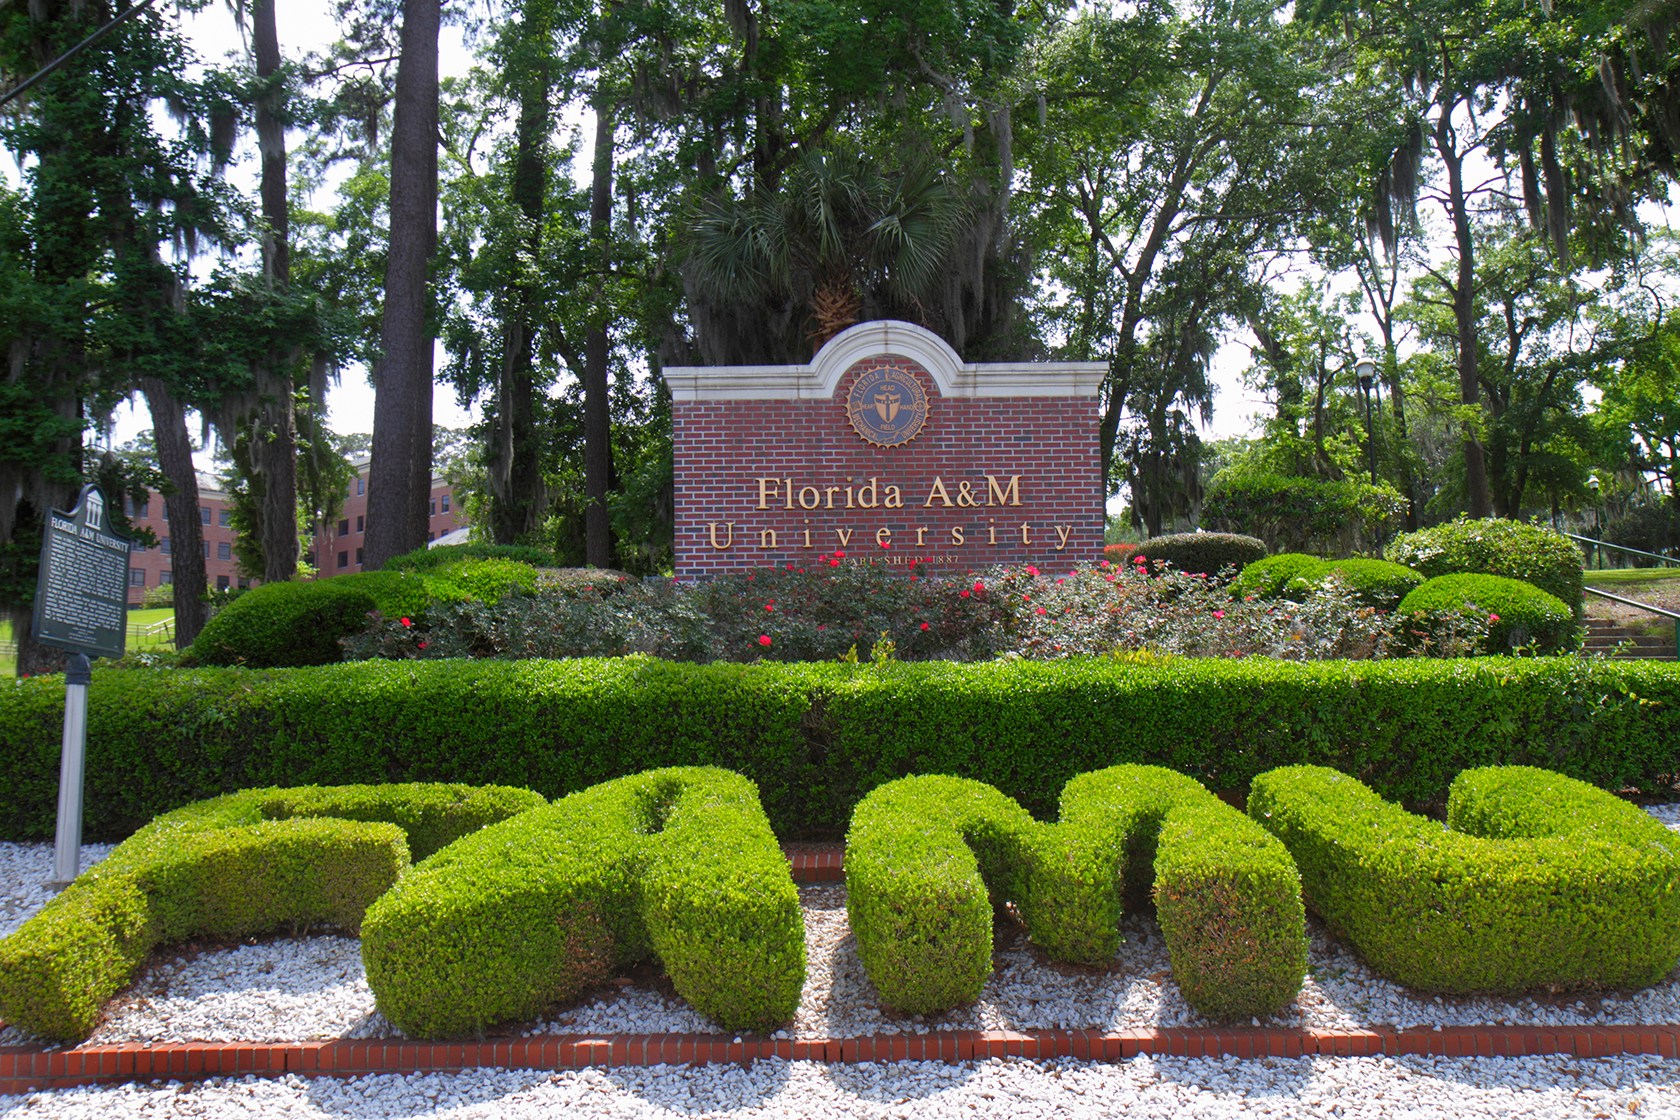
<point x="819" y="379"/>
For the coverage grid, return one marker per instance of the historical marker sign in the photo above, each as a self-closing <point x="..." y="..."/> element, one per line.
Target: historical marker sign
<point x="81" y="599"/>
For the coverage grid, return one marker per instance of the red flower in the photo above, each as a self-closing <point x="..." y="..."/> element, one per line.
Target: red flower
<point x="1032" y="571"/>
<point x="963" y="594"/>
<point x="1040" y="610"/>
<point x="770" y="606"/>
<point x="924" y="626"/>
<point x="422" y="645"/>
<point x="884" y="544"/>
<point x="839" y="554"/>
<point x="406" y="623"/>
<point x="764" y="639"/>
<point x="978" y="586"/>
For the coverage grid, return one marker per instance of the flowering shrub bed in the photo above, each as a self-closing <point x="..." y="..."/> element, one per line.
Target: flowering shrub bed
<point x="840" y="608"/>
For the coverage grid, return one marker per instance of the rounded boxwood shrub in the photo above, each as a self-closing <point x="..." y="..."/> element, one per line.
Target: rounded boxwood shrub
<point x="1517" y="614"/>
<point x="486" y="581"/>
<point x="1204" y="553"/>
<point x="425" y="559"/>
<point x="287" y="624"/>
<point x="1268" y="578"/>
<point x="245" y="863"/>
<point x="1535" y="881"/>
<point x="1496" y="547"/>
<point x="1376" y="583"/>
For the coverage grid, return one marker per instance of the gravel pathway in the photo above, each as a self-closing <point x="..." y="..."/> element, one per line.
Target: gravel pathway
<point x="1139" y="1089"/>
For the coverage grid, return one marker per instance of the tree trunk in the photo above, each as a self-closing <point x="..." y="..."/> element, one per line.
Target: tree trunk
<point x="273" y="423"/>
<point x="1477" y="496"/>
<point x="514" y="462"/>
<point x="597" y="415"/>
<point x="400" y="477"/>
<point x="186" y="532"/>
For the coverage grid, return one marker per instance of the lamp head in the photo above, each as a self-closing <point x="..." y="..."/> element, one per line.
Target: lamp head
<point x="1366" y="369"/>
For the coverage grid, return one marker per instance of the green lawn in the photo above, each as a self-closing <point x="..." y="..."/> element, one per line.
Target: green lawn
<point x="138" y="621"/>
<point x="1610" y="577"/>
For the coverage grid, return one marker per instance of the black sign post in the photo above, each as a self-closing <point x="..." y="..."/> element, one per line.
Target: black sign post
<point x="81" y="605"/>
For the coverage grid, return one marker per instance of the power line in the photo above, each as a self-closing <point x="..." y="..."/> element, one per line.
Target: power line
<point x="23" y="86"/>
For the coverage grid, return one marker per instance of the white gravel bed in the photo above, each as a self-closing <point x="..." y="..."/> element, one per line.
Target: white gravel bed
<point x="313" y="988"/>
<point x="25" y="870"/>
<point x="1143" y="1088"/>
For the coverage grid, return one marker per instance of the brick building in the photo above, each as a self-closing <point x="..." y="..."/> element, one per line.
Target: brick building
<point x="335" y="552"/>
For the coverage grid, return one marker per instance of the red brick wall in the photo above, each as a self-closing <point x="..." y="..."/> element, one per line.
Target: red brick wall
<point x="722" y="447"/>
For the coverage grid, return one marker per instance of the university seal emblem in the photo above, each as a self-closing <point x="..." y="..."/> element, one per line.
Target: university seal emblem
<point x="887" y="407"/>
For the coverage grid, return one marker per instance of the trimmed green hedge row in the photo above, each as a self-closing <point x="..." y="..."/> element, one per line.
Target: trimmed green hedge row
<point x="817" y="738"/>
<point x="246" y="863"/>
<point x="1535" y="880"/>
<point x="678" y="864"/>
<point x="927" y="856"/>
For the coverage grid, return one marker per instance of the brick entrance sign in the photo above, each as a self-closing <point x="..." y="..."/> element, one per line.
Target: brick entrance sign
<point x="887" y="446"/>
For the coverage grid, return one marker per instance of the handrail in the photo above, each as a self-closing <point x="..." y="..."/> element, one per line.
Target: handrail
<point x="1601" y="545"/>
<point x="1632" y="603"/>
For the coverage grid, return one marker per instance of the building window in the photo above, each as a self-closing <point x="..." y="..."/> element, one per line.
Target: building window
<point x="361" y="485"/>
<point x="361" y="522"/>
<point x="431" y="508"/>
<point x="358" y="558"/>
<point x="344" y="559"/>
<point x="445" y="501"/>
<point x="430" y="537"/>
<point x="137" y="512"/>
<point x="207" y="550"/>
<point x="204" y="514"/>
<point x="163" y="546"/>
<point x="224" y="550"/>
<point x="166" y="576"/>
<point x="222" y="583"/>
<point x="137" y="547"/>
<point x="224" y="517"/>
<point x="137" y="577"/>
<point x="344" y="527"/>
<point x="244" y="585"/>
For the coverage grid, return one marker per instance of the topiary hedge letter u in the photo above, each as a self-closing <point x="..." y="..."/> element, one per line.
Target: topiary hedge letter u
<point x="923" y="853"/>
<point x="678" y="863"/>
<point x="1536" y="880"/>
<point x="245" y="863"/>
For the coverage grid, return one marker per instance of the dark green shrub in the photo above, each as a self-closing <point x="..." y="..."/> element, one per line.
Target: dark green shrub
<point x="927" y="857"/>
<point x="236" y="865"/>
<point x="1650" y="527"/>
<point x="817" y="738"/>
<point x="425" y="559"/>
<point x="1375" y="583"/>
<point x="1202" y="553"/>
<point x="1536" y="881"/>
<point x="677" y="864"/>
<point x="284" y="624"/>
<point x="1534" y="554"/>
<point x="1268" y="577"/>
<point x="1517" y="615"/>
<point x="1295" y="514"/>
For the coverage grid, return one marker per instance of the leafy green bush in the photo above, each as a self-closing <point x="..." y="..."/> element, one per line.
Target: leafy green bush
<point x="246" y="863"/>
<point x="1293" y="514"/>
<point x="425" y="559"/>
<point x="1518" y="615"/>
<point x="817" y="738"/>
<point x="1269" y="577"/>
<point x="162" y="595"/>
<point x="1376" y="583"/>
<point x="593" y="583"/>
<point x="927" y="856"/>
<point x="1534" y="554"/>
<point x="1536" y="881"/>
<point x="1202" y="553"/>
<point x="486" y="581"/>
<point x="284" y="624"/>
<point x="678" y="864"/>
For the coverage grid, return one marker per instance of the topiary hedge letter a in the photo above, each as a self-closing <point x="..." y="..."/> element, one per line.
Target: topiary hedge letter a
<point x="679" y="864"/>
<point x="923" y="853"/>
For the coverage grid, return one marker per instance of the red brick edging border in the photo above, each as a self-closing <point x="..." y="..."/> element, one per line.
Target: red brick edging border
<point x="22" y="1069"/>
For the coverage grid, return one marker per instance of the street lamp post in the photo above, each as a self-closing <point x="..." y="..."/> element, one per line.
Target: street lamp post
<point x="1367" y="371"/>
<point x="1598" y="518"/>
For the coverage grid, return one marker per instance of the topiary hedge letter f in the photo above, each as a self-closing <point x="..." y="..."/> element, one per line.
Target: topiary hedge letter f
<point x="924" y="853"/>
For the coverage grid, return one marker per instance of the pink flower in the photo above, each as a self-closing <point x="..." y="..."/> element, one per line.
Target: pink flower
<point x="1493" y="618"/>
<point x="406" y="623"/>
<point x="1032" y="571"/>
<point x="839" y="554"/>
<point x="1061" y="579"/>
<point x="770" y="606"/>
<point x="764" y="639"/>
<point x="1105" y="563"/>
<point x="1040" y="610"/>
<point x="979" y="586"/>
<point x="790" y="567"/>
<point x="1026" y="598"/>
<point x="1218" y="614"/>
<point x="924" y="626"/>
<point x="422" y="645"/>
<point x="884" y="544"/>
<point x="963" y="594"/>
